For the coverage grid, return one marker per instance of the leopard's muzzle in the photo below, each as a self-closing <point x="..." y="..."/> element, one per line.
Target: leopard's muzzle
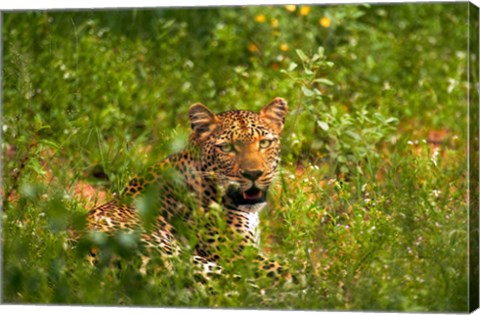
<point x="251" y="196"/>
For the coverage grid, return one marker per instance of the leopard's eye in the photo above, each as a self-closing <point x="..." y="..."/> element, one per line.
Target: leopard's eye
<point x="227" y="147"/>
<point x="265" y="143"/>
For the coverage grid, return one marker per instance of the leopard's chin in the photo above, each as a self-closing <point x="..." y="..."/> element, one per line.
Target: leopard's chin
<point x="251" y="196"/>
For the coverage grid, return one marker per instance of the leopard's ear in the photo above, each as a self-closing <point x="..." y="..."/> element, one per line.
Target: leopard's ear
<point x="203" y="121"/>
<point x="274" y="113"/>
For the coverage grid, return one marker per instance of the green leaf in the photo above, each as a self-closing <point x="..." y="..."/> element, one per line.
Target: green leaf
<point x="378" y="116"/>
<point x="168" y="24"/>
<point x="322" y="125"/>
<point x="353" y="134"/>
<point x="307" y="92"/>
<point x="334" y="111"/>
<point x="301" y="55"/>
<point x="391" y="120"/>
<point x="321" y="51"/>
<point x="49" y="143"/>
<point x="324" y="81"/>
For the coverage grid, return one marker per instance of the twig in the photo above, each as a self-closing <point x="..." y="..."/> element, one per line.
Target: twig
<point x="15" y="174"/>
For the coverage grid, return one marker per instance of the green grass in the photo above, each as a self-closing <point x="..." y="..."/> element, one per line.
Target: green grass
<point x="363" y="208"/>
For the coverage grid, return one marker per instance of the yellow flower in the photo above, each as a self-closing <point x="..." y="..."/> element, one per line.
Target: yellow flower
<point x="291" y="7"/>
<point x="284" y="47"/>
<point x="304" y="10"/>
<point x="274" y="23"/>
<point x="252" y="47"/>
<point x="325" y="22"/>
<point x="260" y="18"/>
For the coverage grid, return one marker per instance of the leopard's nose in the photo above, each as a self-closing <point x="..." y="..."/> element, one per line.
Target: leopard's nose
<point x="252" y="175"/>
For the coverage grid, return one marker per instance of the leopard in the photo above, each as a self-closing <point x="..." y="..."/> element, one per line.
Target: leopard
<point x="224" y="175"/>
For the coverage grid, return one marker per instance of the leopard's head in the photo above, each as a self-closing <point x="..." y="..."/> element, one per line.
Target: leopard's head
<point x="239" y="148"/>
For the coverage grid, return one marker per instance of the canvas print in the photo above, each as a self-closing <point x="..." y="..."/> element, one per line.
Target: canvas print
<point x="306" y="157"/>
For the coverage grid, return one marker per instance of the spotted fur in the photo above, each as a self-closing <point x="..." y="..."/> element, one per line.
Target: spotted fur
<point x="224" y="175"/>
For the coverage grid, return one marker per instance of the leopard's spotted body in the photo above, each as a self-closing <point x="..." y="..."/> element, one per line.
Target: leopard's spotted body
<point x="229" y="168"/>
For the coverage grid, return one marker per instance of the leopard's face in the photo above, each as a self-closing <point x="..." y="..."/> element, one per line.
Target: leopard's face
<point x="240" y="149"/>
<point x="243" y="153"/>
